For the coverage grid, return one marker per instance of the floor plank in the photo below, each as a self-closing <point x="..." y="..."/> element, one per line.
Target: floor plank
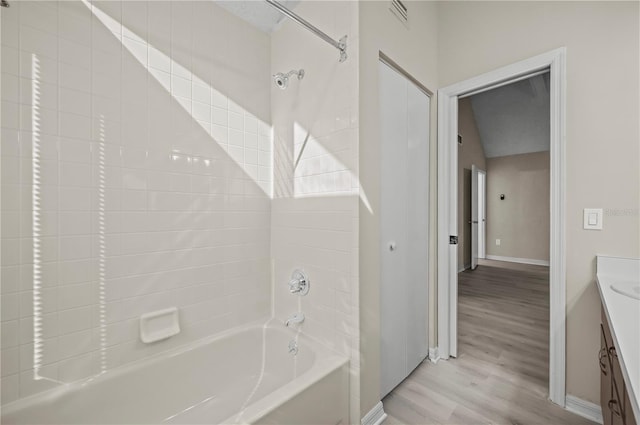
<point x="501" y="373"/>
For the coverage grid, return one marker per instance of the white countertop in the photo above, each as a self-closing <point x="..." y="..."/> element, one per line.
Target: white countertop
<point x="623" y="314"/>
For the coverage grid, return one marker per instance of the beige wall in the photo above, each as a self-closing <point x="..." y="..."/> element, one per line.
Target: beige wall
<point x="602" y="130"/>
<point x="521" y="220"/>
<point x="469" y="153"/>
<point x="414" y="49"/>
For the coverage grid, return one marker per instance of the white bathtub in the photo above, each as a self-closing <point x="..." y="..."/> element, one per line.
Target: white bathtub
<point x="245" y="376"/>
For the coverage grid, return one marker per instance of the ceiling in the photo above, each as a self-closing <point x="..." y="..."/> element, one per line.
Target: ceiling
<point x="258" y="13"/>
<point x="514" y="119"/>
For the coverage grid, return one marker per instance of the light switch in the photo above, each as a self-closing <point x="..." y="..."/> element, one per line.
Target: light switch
<point x="593" y="218"/>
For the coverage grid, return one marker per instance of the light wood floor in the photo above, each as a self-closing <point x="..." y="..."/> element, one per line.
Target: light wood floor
<point x="500" y="375"/>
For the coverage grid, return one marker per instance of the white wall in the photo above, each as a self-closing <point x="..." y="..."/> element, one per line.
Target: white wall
<point x="163" y="108"/>
<point x="602" y="41"/>
<point x="414" y="49"/>
<point x="315" y="206"/>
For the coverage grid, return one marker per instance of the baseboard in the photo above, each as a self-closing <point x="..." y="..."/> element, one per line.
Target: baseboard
<point x="518" y="260"/>
<point x="583" y="408"/>
<point x="375" y="416"/>
<point x="433" y="355"/>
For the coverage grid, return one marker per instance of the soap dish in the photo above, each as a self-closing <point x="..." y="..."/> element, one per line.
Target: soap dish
<point x="159" y="325"/>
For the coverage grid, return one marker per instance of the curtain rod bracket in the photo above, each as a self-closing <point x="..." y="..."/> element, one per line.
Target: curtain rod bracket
<point x="340" y="45"/>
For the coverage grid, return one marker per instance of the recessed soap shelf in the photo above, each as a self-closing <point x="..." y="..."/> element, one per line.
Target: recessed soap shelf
<point x="159" y="325"/>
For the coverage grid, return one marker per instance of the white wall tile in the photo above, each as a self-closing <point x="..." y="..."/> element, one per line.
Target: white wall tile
<point x="10" y="29"/>
<point x="74" y="53"/>
<point x="127" y="148"/>
<point x="309" y="230"/>
<point x="38" y="42"/>
<point x="74" y="126"/>
<point x="10" y="333"/>
<point x="74" y="22"/>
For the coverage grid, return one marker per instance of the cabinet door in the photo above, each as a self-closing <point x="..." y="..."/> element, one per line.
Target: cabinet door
<point x="618" y="389"/>
<point x="629" y="418"/>
<point x="605" y="379"/>
<point x="616" y="412"/>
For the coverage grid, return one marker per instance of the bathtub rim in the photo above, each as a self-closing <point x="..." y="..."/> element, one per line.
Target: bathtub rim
<point x="266" y="405"/>
<point x="326" y="358"/>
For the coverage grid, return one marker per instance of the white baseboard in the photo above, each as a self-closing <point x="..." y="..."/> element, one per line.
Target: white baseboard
<point x="583" y="408"/>
<point x="375" y="416"/>
<point x="518" y="260"/>
<point x="433" y="355"/>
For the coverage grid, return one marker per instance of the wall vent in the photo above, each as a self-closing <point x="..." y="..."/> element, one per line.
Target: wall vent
<point x="399" y="9"/>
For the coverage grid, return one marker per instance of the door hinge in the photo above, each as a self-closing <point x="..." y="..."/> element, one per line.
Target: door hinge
<point x="453" y="240"/>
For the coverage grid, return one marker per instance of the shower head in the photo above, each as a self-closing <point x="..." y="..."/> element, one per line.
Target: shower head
<point x="282" y="80"/>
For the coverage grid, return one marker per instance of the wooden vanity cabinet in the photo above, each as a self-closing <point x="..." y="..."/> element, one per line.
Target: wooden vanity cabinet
<point x="614" y="399"/>
<point x="606" y="383"/>
<point x="629" y="418"/>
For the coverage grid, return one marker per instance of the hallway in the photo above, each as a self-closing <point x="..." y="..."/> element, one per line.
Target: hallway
<point x="501" y="373"/>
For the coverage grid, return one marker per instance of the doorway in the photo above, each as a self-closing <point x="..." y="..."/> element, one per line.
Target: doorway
<point x="553" y="62"/>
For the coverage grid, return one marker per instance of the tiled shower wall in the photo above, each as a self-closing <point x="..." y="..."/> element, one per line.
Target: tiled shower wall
<point x="136" y="175"/>
<point x="316" y="188"/>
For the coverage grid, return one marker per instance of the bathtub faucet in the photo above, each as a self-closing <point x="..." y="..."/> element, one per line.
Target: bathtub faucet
<point x="295" y="318"/>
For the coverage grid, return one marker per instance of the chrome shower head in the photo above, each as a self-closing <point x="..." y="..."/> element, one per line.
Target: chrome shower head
<point x="282" y="80"/>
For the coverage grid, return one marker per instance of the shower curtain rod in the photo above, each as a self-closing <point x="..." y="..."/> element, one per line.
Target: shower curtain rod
<point x="340" y="45"/>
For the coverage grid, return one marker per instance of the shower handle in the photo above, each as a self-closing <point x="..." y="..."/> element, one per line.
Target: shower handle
<point x="299" y="283"/>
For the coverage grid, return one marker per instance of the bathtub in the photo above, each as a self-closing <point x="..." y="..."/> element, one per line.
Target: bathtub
<point x="243" y="376"/>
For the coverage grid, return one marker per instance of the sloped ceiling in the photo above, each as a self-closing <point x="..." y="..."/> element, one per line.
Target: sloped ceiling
<point x="514" y="119"/>
<point x="257" y="12"/>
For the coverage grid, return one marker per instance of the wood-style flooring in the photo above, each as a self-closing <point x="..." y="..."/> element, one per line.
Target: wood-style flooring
<point x="501" y="373"/>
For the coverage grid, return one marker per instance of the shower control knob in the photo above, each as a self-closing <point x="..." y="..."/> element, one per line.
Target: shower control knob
<point x="299" y="283"/>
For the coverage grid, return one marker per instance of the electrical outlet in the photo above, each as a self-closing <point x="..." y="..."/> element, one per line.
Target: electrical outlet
<point x="498" y="242"/>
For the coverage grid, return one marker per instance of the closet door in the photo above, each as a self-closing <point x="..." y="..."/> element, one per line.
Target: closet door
<point x="393" y="215"/>
<point x="417" y="204"/>
<point x="404" y="132"/>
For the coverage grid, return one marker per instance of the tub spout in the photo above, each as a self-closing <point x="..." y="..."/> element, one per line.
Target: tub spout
<point x="295" y="318"/>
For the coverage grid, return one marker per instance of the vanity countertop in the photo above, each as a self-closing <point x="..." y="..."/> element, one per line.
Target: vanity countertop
<point x="623" y="314"/>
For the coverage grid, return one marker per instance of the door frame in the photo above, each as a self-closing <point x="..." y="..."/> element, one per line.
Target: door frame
<point x="447" y="281"/>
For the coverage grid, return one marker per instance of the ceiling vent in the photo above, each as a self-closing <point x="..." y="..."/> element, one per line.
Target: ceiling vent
<point x="399" y="9"/>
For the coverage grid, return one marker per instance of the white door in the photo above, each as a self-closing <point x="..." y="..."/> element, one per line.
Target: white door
<point x="478" y="206"/>
<point x="482" y="214"/>
<point x="404" y="218"/>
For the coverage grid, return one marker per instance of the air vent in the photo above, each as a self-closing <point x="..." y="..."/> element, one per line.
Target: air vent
<point x="400" y="10"/>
